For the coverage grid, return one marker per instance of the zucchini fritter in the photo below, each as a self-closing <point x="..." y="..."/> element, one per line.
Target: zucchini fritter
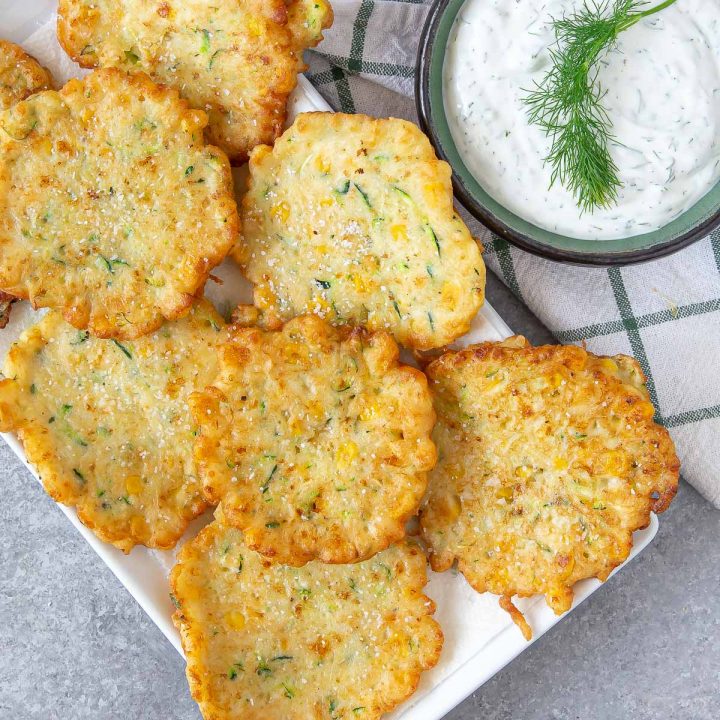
<point x="315" y="440"/>
<point x="106" y="424"/>
<point x="238" y="60"/>
<point x="270" y="642"/>
<point x="111" y="207"/>
<point x="306" y="21"/>
<point x="20" y="75"/>
<point x="549" y="459"/>
<point x="351" y="218"/>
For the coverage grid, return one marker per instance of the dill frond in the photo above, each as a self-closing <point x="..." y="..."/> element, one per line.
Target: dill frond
<point x="568" y="103"/>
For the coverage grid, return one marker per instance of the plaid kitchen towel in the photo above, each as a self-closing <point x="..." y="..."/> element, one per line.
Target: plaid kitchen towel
<point x="666" y="313"/>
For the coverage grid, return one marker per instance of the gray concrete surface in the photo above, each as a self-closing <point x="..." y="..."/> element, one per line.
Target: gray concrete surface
<point x="74" y="645"/>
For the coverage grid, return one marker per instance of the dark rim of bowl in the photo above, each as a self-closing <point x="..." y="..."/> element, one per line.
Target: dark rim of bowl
<point x="493" y="223"/>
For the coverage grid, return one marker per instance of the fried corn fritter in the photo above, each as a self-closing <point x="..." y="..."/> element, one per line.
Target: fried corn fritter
<point x="20" y="75"/>
<point x="106" y="424"/>
<point x="306" y="21"/>
<point x="351" y="218"/>
<point x="238" y="61"/>
<point x="101" y="186"/>
<point x="265" y="641"/>
<point x="315" y="440"/>
<point x="549" y="459"/>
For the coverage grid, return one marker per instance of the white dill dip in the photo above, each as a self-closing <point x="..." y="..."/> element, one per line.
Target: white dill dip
<point x="663" y="97"/>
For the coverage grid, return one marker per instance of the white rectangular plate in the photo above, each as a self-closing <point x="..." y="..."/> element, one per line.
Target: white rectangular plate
<point x="480" y="638"/>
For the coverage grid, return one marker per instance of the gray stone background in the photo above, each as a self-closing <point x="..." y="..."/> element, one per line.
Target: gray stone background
<point x="74" y="645"/>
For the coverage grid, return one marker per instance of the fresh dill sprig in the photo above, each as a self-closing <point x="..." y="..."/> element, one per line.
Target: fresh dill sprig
<point x="568" y="103"/>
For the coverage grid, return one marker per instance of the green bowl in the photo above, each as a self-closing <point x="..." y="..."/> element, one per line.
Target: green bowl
<point x="692" y="225"/>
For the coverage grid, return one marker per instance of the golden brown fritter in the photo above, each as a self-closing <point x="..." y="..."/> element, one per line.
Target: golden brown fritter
<point x="112" y="209"/>
<point x="315" y="440"/>
<point x="306" y="21"/>
<point x="270" y="642"/>
<point x="238" y="61"/>
<point x="549" y="460"/>
<point x="20" y="75"/>
<point x="106" y="424"/>
<point x="352" y="218"/>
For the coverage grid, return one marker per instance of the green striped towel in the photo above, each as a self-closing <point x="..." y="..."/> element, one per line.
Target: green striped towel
<point x="665" y="313"/>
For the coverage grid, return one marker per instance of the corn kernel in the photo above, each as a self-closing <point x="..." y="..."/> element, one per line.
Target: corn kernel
<point x="254" y="27"/>
<point x="523" y="471"/>
<point x="556" y="379"/>
<point x="322" y="165"/>
<point x="609" y="365"/>
<point x="235" y="620"/>
<point x="449" y="508"/>
<point x="505" y="492"/>
<point x="346" y="453"/>
<point x="138" y="527"/>
<point x="646" y="409"/>
<point x="449" y="295"/>
<point x="264" y="297"/>
<point x="315" y="409"/>
<point x="281" y="211"/>
<point x="361" y="284"/>
<point x="616" y="462"/>
<point x="399" y="232"/>
<point x="133" y="484"/>
<point x="327" y="202"/>
<point x="560" y="463"/>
